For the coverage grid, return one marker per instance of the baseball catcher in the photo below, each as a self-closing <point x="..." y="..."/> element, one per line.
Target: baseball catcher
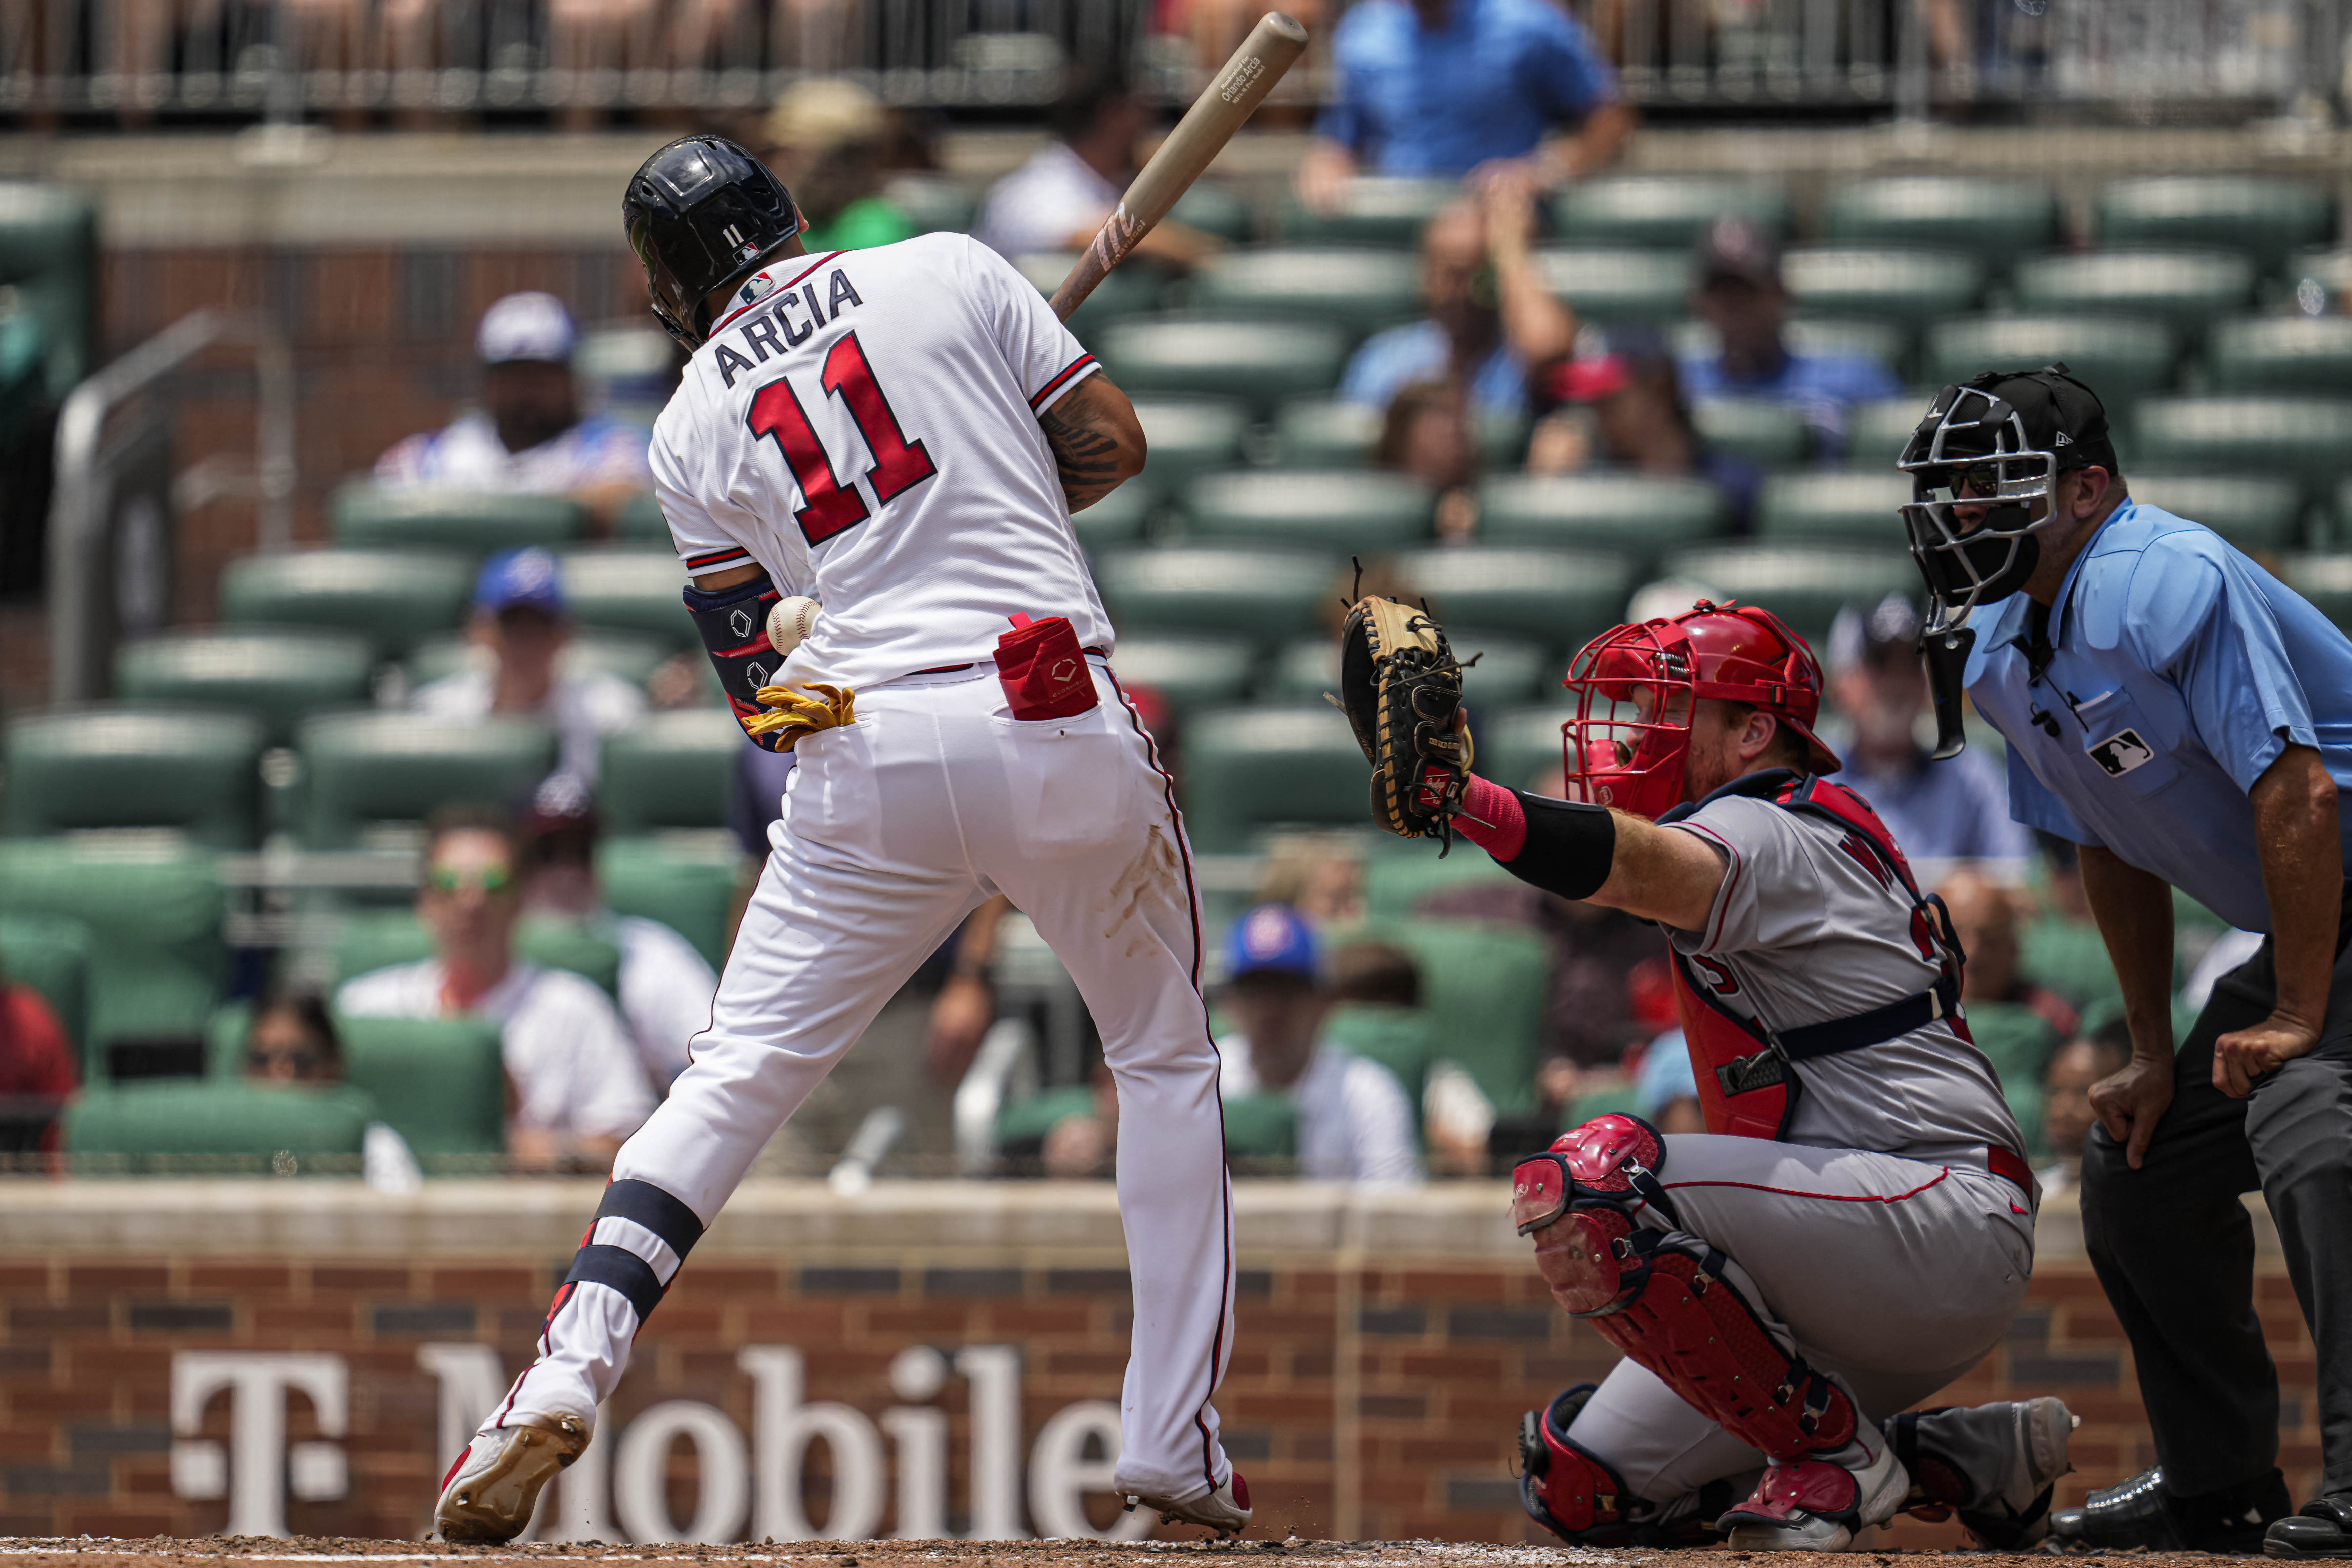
<point x="1855" y="1227"/>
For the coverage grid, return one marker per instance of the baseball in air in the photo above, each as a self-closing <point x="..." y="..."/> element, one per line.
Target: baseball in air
<point x="791" y="621"/>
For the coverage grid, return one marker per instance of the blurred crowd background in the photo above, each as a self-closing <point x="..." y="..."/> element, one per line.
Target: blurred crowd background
<point x="369" y="808"/>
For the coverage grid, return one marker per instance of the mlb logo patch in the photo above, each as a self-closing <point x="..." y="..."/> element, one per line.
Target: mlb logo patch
<point x="2120" y="752"/>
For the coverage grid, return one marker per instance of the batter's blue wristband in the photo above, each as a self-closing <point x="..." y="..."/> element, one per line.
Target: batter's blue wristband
<point x="734" y="626"/>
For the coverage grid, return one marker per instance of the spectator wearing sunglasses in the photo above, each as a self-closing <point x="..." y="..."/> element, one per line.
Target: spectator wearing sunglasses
<point x="575" y="1088"/>
<point x="292" y="1041"/>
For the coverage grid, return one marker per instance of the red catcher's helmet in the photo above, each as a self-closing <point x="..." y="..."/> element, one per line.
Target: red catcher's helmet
<point x="1637" y="686"/>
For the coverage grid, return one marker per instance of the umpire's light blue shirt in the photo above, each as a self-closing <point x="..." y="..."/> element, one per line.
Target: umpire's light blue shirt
<point x="2182" y="670"/>
<point x="1408" y="99"/>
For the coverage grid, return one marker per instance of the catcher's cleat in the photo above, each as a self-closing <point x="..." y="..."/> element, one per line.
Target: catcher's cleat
<point x="1816" y="1505"/>
<point x="1995" y="1466"/>
<point x="491" y="1493"/>
<point x="1226" y="1510"/>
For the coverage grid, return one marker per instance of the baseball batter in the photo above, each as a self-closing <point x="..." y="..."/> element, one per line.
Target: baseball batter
<point x="901" y="433"/>
<point x="1855" y="1227"/>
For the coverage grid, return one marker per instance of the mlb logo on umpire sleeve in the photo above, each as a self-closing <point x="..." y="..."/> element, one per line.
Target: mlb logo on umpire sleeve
<point x="2120" y="752"/>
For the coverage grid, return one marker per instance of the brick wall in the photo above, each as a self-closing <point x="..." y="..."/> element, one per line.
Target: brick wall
<point x="1373" y="1400"/>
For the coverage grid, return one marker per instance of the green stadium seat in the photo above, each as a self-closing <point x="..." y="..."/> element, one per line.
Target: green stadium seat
<point x="1509" y="671"/>
<point x="2121" y="359"/>
<point x="48" y="256"/>
<point x="1876" y="432"/>
<point x="1126" y="290"/>
<point x="196" y="770"/>
<point x="394" y="598"/>
<point x="1261" y="1126"/>
<point x="2264" y="220"/>
<point x="1662" y="211"/>
<point x="379" y="939"/>
<point x="1885" y="341"/>
<point x="635" y="591"/>
<point x="2253" y="511"/>
<point x="1189" y="673"/>
<point x="934" y="203"/>
<point x="1023" y="1122"/>
<point x="2306" y="439"/>
<point x="1216" y="208"/>
<point x="1357" y="289"/>
<point x="1610" y="285"/>
<point x="2281" y="353"/>
<point x="1263" y="767"/>
<point x="1912" y="286"/>
<point x="1994" y="220"/>
<point x="670" y="769"/>
<point x="1398" y="882"/>
<point x="2323" y="577"/>
<point x="1804" y="584"/>
<point x="685" y="881"/>
<point x="1352" y="511"/>
<point x="1188" y="437"/>
<point x="1553" y="598"/>
<point x="1328" y="433"/>
<point x="1518" y="746"/>
<point x="640" y="521"/>
<point x="2185" y="288"/>
<point x="1121" y="517"/>
<point x="277" y="677"/>
<point x="1485" y="984"/>
<point x="2019" y="1042"/>
<point x="1376" y="210"/>
<point x="51" y="953"/>
<point x="630" y="658"/>
<point x="364" y="769"/>
<point x="364" y="516"/>
<point x="228" y="1125"/>
<point x="1265" y="594"/>
<point x="1759" y="430"/>
<point x="1402" y="1039"/>
<point x="1860" y="505"/>
<point x="1260" y="362"/>
<point x="1639" y="514"/>
<point x="439" y="1082"/>
<point x="154" y="908"/>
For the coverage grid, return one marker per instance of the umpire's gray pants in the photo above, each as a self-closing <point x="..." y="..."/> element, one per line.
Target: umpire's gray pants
<point x="2176" y="1250"/>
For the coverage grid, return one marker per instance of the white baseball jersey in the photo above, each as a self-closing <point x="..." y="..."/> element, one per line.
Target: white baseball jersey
<point x="864" y="425"/>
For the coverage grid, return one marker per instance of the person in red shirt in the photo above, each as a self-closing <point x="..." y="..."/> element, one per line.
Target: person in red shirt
<point x="37" y="1075"/>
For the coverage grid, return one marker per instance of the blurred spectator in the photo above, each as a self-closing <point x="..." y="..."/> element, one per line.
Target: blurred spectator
<point x="1624" y="409"/>
<point x="520" y="621"/>
<point x="1058" y="198"/>
<point x="529" y="434"/>
<point x="292" y="1040"/>
<point x="1490" y="315"/>
<point x="1084" y="1144"/>
<point x="2061" y="947"/>
<point x="1955" y="810"/>
<point x="1427" y="436"/>
<point x="2066" y="1115"/>
<point x="1666" y="1093"/>
<point x="37" y="1071"/>
<point x="1320" y="875"/>
<point x="1354" y="1122"/>
<point x="2016" y="1024"/>
<point x="966" y="1006"/>
<point x="826" y="141"/>
<point x="1742" y="295"/>
<point x="1588" y="1016"/>
<point x="575" y="1086"/>
<point x="666" y="986"/>
<point x="1218" y="27"/>
<point x="1445" y="87"/>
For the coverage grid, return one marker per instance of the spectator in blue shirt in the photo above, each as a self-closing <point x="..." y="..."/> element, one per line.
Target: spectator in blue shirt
<point x="1490" y="317"/>
<point x="2186" y="719"/>
<point x="1740" y="294"/>
<point x="1439" y="88"/>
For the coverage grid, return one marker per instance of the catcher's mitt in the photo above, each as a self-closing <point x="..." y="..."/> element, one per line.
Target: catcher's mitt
<point x="1400" y="687"/>
<point x="797" y="715"/>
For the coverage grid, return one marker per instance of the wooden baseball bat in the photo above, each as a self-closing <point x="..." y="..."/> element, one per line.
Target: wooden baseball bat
<point x="1198" y="138"/>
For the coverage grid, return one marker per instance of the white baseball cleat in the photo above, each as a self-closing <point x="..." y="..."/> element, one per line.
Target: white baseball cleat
<point x="489" y="1494"/>
<point x="1226" y="1510"/>
<point x="1816" y="1505"/>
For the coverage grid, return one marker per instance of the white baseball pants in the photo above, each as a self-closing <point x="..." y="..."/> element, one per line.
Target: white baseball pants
<point x="894" y="829"/>
<point x="1896" y="1276"/>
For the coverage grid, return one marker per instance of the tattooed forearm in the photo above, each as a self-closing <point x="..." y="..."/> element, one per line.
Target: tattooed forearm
<point x="1097" y="445"/>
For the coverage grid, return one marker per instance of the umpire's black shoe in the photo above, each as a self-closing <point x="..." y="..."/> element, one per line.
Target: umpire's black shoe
<point x="2324" y="1529"/>
<point x="2143" y="1511"/>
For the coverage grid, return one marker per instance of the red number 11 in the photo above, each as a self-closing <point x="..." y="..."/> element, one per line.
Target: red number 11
<point x="898" y="464"/>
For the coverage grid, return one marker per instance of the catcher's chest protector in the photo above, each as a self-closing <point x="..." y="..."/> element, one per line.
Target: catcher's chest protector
<point x="1747" y="1085"/>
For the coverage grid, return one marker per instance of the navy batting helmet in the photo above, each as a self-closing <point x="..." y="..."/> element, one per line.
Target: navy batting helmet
<point x="700" y="214"/>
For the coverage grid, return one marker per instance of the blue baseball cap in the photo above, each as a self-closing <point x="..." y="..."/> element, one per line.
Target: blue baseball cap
<point x="513" y="578"/>
<point x="1271" y="938"/>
